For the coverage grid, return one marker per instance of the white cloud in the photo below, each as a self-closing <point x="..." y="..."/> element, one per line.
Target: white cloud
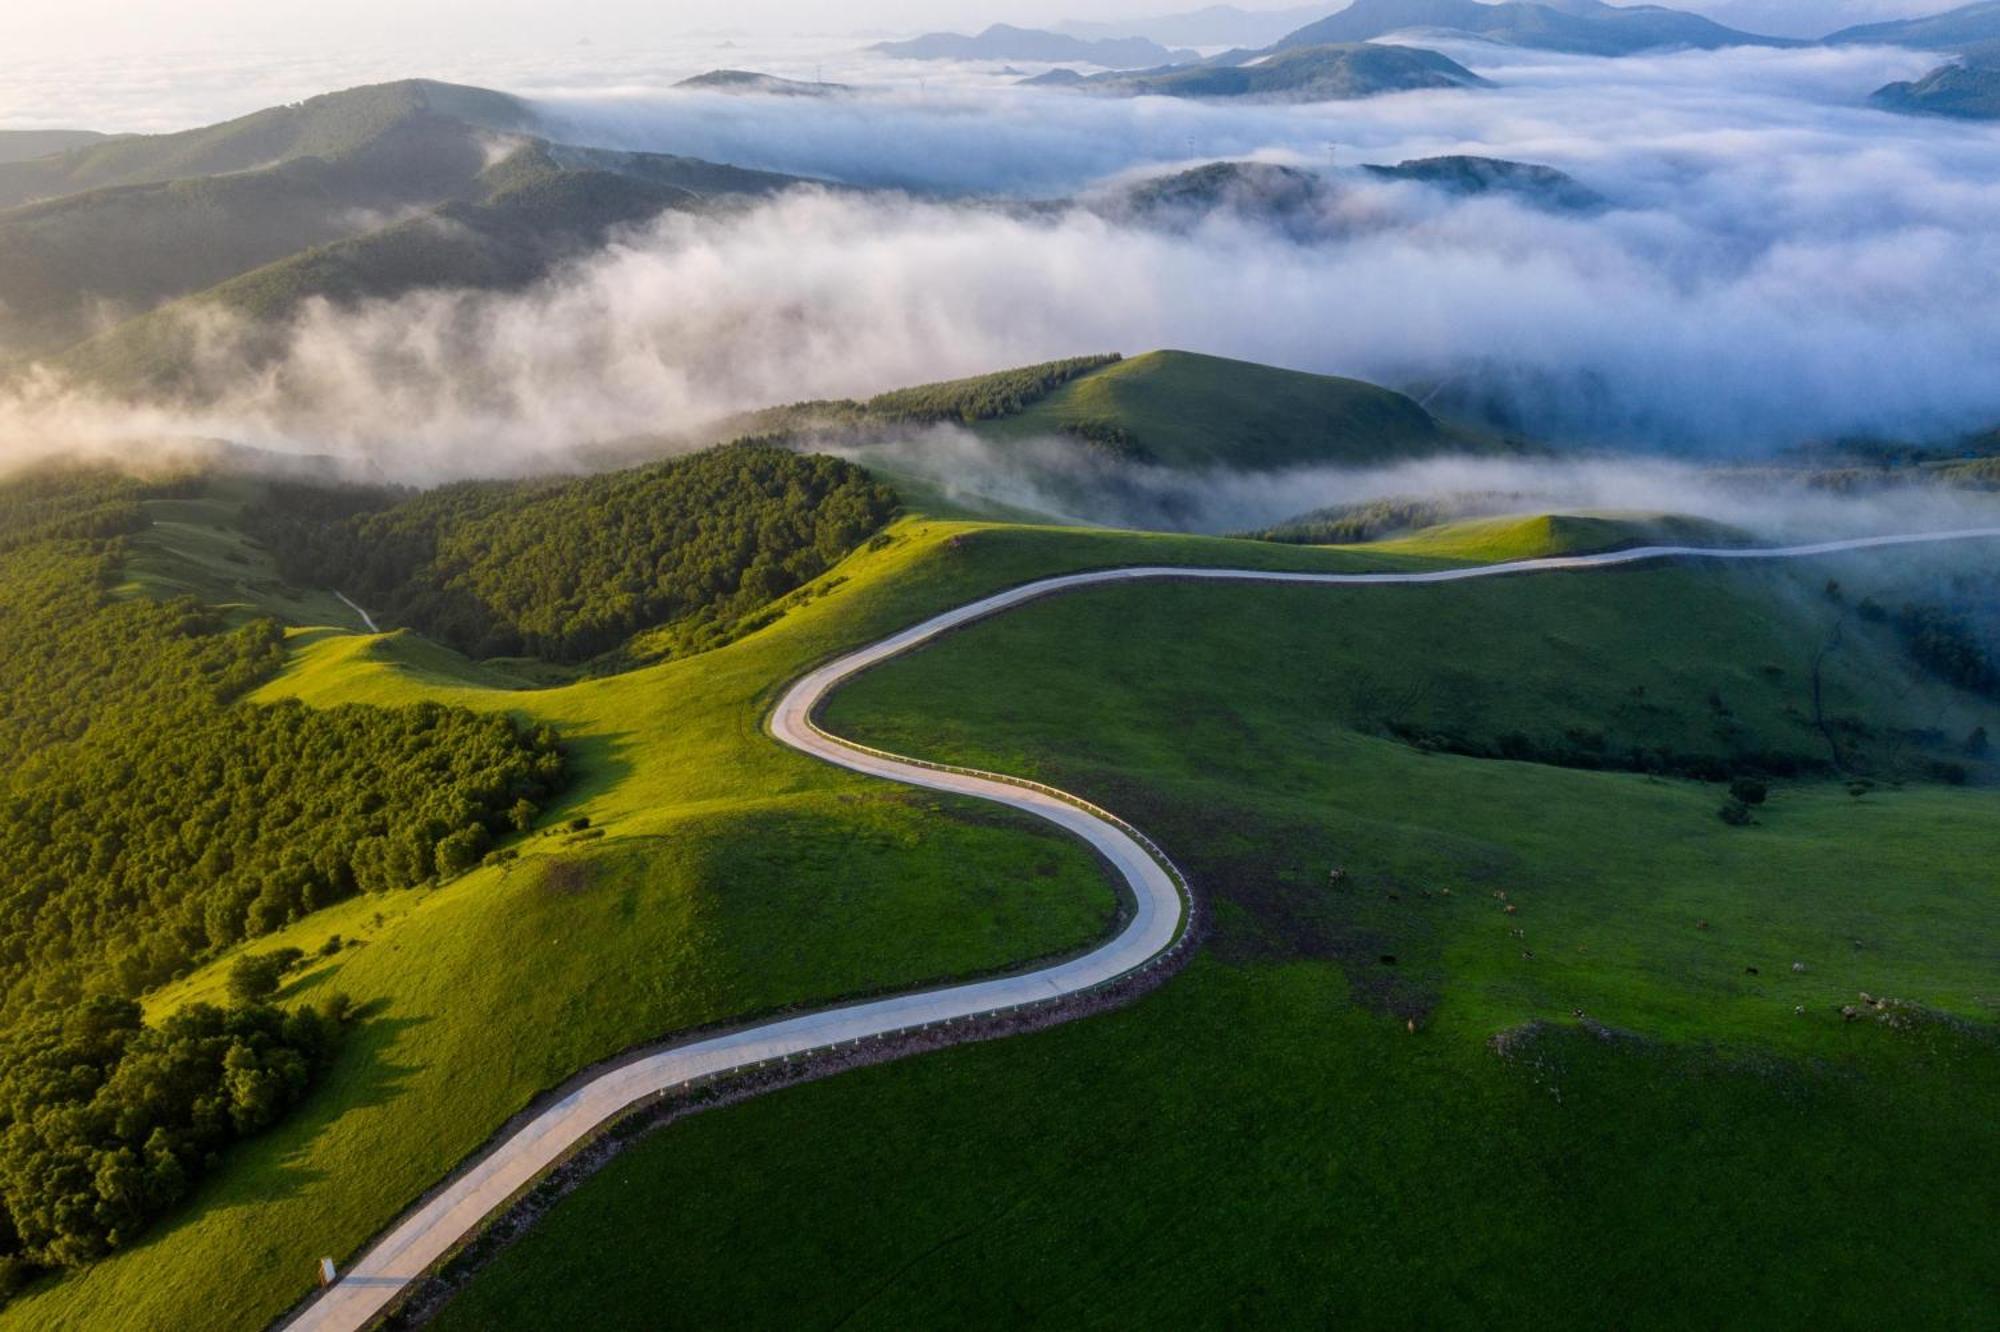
<point x="1782" y="264"/>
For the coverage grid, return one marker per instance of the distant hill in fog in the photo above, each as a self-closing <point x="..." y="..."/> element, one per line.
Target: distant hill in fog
<point x="1005" y="42"/>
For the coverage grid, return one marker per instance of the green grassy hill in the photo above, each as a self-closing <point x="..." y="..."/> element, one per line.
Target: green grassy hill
<point x="1183" y="410"/>
<point x="720" y="875"/>
<point x="1539" y="536"/>
<point x="1460" y="1029"/>
<point x="1584" y="27"/>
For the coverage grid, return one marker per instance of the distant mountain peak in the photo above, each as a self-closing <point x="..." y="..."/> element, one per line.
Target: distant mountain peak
<point x="1581" y="27"/>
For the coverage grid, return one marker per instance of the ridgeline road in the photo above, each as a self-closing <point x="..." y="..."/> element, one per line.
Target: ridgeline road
<point x="1154" y="931"/>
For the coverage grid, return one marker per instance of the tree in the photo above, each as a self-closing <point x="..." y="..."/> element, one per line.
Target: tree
<point x="1749" y="791"/>
<point x="1977" y="745"/>
<point x="255" y="976"/>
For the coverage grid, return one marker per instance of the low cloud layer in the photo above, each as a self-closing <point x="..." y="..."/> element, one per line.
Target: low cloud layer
<point x="1054" y="479"/>
<point x="1780" y="264"/>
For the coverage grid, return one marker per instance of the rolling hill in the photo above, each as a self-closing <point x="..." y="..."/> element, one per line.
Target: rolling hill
<point x="1185" y="411"/>
<point x="1581" y="27"/>
<point x="748" y="81"/>
<point x="138" y="221"/>
<point x="1315" y="73"/>
<point x="413" y="197"/>
<point x="401" y="117"/>
<point x="1543" y="186"/>
<point x="1954" y="30"/>
<point x="1306" y="206"/>
<point x="1166" y="411"/>
<point x="1541" y="536"/>
<point x="1460" y="1025"/>
<point x="26" y="145"/>
<point x="1968" y="90"/>
<point x="733" y="877"/>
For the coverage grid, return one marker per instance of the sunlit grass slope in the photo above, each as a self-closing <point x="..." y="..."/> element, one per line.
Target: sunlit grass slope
<point x="1184" y="410"/>
<point x="1267" y="1140"/>
<point x="1540" y="536"/>
<point x="721" y="876"/>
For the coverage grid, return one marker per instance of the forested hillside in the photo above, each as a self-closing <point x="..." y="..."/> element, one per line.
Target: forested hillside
<point x="149" y="820"/>
<point x="571" y="569"/>
<point x="106" y="1122"/>
<point x="965" y="401"/>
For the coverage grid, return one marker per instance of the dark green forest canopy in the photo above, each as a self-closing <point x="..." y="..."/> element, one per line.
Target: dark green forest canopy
<point x="148" y="819"/>
<point x="82" y="503"/>
<point x="571" y="569"/>
<point x="106" y="1122"/>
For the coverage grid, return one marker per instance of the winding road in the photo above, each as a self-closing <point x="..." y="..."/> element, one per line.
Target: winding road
<point x="1150" y="936"/>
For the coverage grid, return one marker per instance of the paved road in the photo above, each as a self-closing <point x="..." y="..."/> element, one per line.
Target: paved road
<point x="366" y="619"/>
<point x="1153" y="931"/>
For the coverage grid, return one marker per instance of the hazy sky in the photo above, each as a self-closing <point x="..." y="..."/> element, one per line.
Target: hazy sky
<point x="54" y="25"/>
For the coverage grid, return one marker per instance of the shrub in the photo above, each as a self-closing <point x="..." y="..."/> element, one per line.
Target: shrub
<point x="1749" y="791"/>
<point x="255" y="976"/>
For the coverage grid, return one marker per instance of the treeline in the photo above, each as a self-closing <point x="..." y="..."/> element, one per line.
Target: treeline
<point x="985" y="397"/>
<point x="966" y="401"/>
<point x="1352" y="524"/>
<point x="68" y="503"/>
<point x="106" y="1122"/>
<point x="1379" y="519"/>
<point x="569" y="570"/>
<point x="1592" y="751"/>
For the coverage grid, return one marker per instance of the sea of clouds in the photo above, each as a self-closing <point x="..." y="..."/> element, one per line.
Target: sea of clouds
<point x="1779" y="264"/>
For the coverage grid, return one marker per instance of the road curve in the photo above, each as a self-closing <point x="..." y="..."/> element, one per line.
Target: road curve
<point x="1150" y="935"/>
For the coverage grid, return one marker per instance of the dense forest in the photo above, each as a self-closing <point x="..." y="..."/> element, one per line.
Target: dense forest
<point x="569" y="570"/>
<point x="81" y="503"/>
<point x="146" y="823"/>
<point x="150" y="818"/>
<point x="106" y="1122"/>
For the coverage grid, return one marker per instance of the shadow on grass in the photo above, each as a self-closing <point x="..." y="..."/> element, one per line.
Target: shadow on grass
<point x="276" y="1165"/>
